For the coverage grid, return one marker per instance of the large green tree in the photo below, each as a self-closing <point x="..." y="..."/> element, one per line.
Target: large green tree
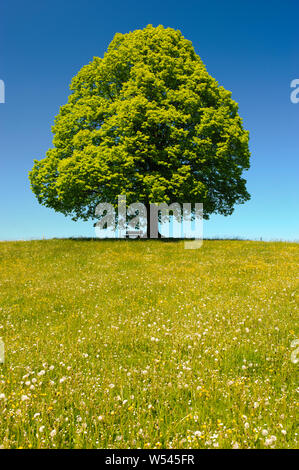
<point x="147" y="121"/>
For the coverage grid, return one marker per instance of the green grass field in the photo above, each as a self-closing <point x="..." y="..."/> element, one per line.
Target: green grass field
<point x="143" y="344"/>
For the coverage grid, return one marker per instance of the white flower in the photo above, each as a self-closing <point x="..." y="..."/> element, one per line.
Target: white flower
<point x="283" y="432"/>
<point x="2" y="396"/>
<point x="25" y="397"/>
<point x="63" y="379"/>
<point x="42" y="372"/>
<point x="41" y="429"/>
<point x="264" y="432"/>
<point x="270" y="440"/>
<point x="111" y="385"/>
<point x="53" y="433"/>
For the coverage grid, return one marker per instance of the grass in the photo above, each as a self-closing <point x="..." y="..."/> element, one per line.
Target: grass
<point x="133" y="344"/>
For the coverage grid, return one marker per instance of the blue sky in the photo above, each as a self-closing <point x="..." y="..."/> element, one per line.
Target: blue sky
<point x="250" y="47"/>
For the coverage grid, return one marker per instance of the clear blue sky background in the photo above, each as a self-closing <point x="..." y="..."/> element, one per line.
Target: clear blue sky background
<point x="250" y="47"/>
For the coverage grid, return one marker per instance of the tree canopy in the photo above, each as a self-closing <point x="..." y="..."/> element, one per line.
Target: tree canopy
<point x="148" y="121"/>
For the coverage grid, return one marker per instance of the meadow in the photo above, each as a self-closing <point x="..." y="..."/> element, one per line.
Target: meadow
<point x="144" y="344"/>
